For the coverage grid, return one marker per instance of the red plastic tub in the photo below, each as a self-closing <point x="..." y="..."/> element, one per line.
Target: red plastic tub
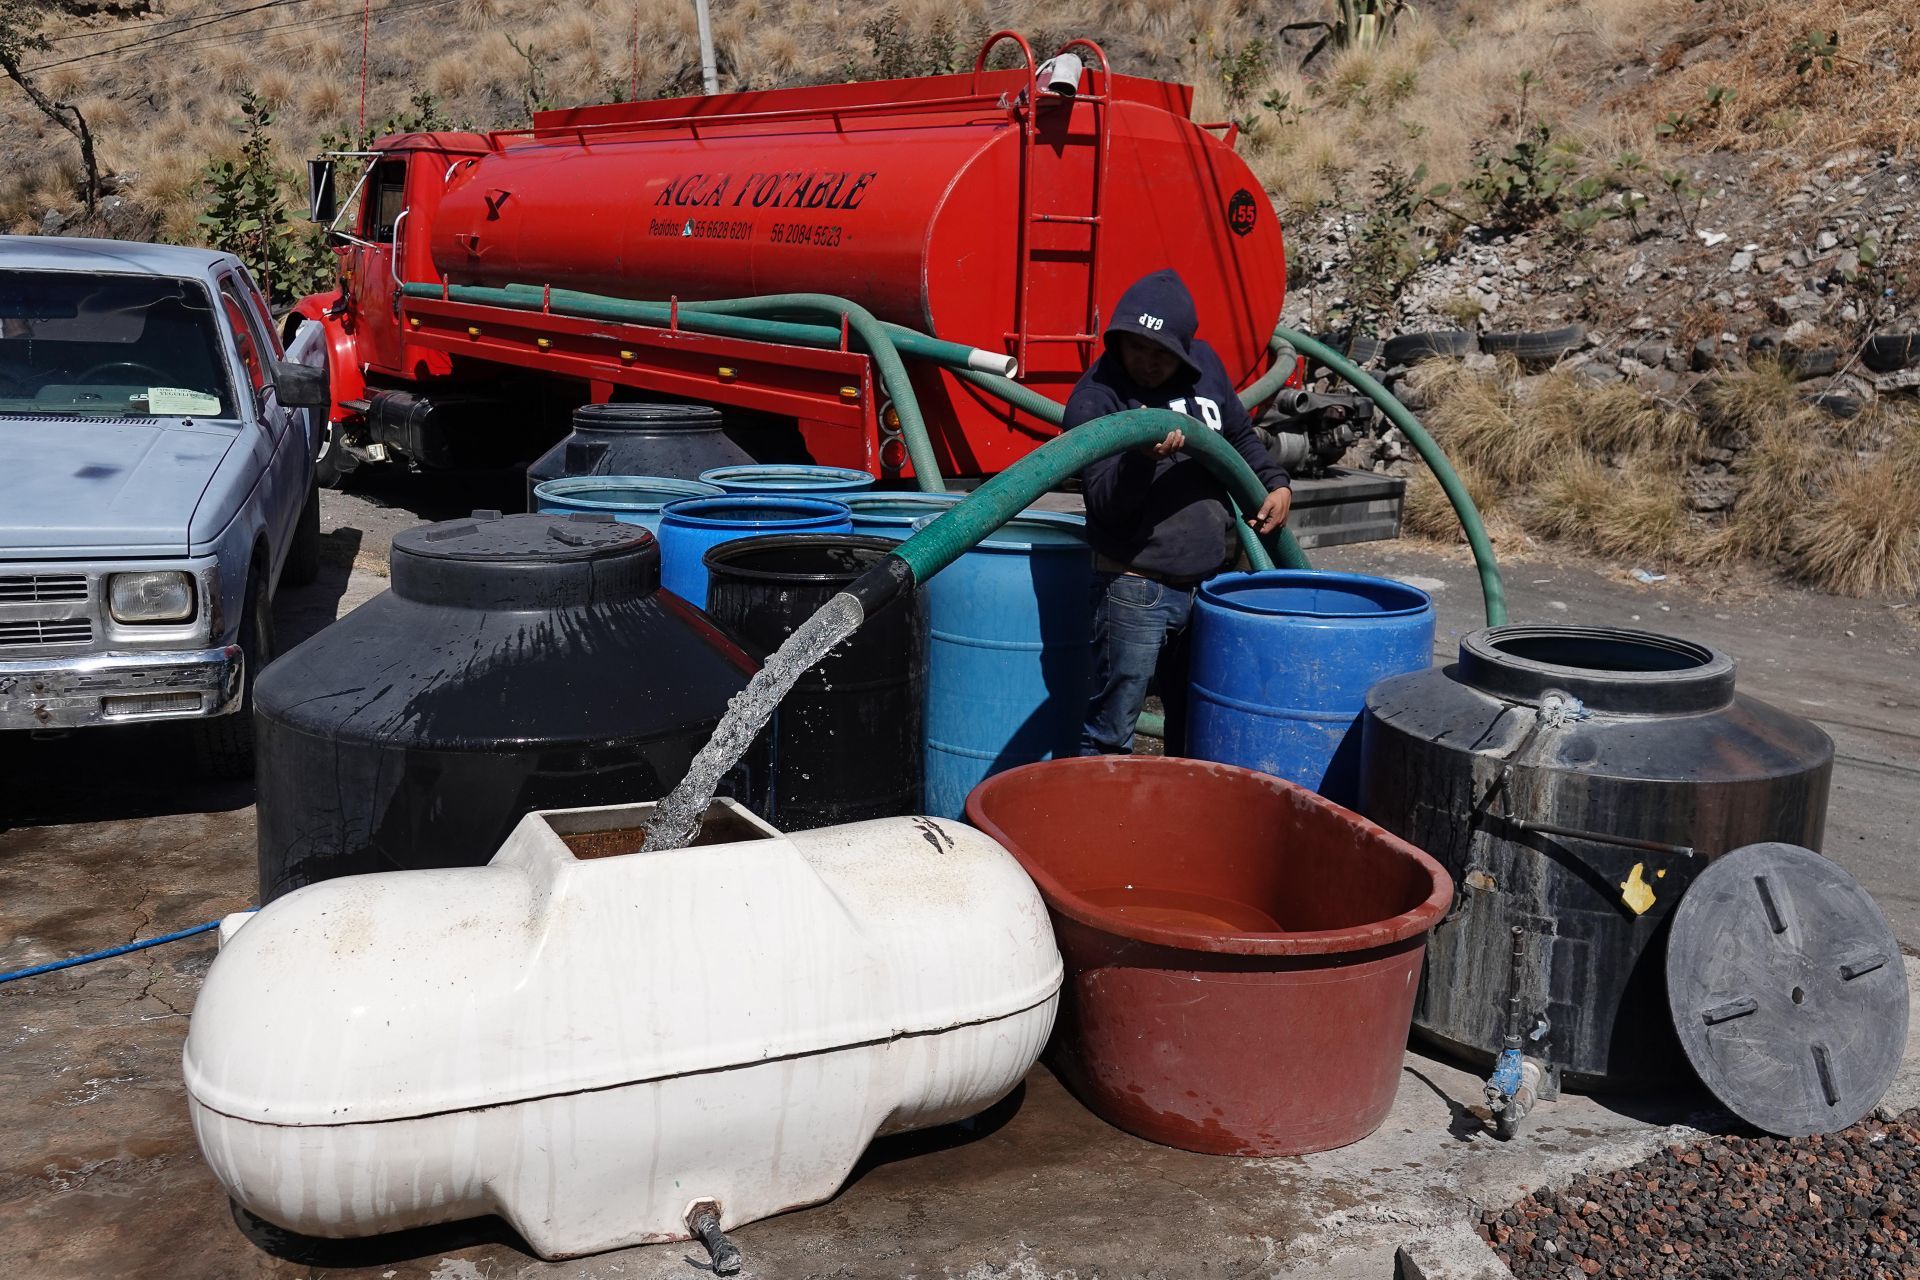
<point x="1242" y="955"/>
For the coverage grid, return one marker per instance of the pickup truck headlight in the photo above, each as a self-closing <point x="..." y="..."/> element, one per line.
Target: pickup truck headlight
<point x="165" y="596"/>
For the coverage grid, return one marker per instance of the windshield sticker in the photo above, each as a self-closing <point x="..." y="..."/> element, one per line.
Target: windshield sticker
<point x="178" y="401"/>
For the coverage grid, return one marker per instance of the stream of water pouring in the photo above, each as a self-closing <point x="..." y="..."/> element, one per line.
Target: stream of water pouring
<point x="676" y="819"/>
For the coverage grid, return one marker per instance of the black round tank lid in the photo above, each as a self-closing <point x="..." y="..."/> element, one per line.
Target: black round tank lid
<point x="1787" y="989"/>
<point x="630" y="416"/>
<point x="1610" y="669"/>
<point x="491" y="561"/>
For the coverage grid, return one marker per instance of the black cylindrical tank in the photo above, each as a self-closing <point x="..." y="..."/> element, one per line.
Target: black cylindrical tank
<point x="516" y="663"/>
<point x="847" y="743"/>
<point x="1574" y="780"/>
<point x="677" y="441"/>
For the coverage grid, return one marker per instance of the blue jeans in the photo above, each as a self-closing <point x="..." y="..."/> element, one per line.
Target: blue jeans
<point x="1139" y="631"/>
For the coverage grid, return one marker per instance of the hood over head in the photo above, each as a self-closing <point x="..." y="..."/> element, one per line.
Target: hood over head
<point x="1158" y="307"/>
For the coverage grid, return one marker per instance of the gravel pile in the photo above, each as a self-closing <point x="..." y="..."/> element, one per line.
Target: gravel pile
<point x="1846" y="1206"/>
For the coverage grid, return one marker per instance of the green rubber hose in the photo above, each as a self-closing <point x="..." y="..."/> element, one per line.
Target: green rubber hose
<point x="1268" y="384"/>
<point x="755" y="319"/>
<point x="1025" y="399"/>
<point x="880" y="349"/>
<point x="696" y="316"/>
<point x="1006" y="495"/>
<point x="748" y="317"/>
<point x="1492" y="592"/>
<point x="1287" y="551"/>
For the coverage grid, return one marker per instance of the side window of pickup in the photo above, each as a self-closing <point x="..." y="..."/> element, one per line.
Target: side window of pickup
<point x="246" y="337"/>
<point x="257" y="305"/>
<point x="385" y="201"/>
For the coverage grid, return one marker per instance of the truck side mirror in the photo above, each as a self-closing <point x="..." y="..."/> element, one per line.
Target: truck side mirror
<point x="321" y="204"/>
<point x="301" y="386"/>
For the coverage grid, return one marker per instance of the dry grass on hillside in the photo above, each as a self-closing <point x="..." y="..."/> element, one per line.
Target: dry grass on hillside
<point x="1431" y="96"/>
<point x="1439" y="96"/>
<point x="1861" y="536"/>
<point x="1604" y="468"/>
<point x="1434" y="97"/>
<point x="1427" y="513"/>
<point x="1868" y="97"/>
<point x="1598" y="465"/>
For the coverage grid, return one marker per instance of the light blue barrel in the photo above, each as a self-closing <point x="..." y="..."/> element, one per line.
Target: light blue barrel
<point x="1009" y="654"/>
<point x="893" y="514"/>
<point x="692" y="526"/>
<point x="628" y="499"/>
<point x="785" y="478"/>
<point x="1282" y="661"/>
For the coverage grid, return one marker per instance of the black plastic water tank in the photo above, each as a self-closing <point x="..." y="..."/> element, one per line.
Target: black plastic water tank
<point x="1575" y="780"/>
<point x="847" y="743"/>
<point x="516" y="663"/>
<point x="677" y="441"/>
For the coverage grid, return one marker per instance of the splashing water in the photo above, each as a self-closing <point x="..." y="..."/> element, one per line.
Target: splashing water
<point x="676" y="819"/>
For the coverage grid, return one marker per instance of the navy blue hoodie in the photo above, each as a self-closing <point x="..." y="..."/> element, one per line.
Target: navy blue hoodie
<point x="1165" y="517"/>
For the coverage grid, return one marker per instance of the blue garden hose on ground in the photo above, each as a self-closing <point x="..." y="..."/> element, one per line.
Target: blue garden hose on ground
<point x="54" y="965"/>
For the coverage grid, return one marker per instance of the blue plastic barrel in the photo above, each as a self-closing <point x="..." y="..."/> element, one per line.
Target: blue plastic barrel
<point x="893" y="515"/>
<point x="1282" y="661"/>
<point x="691" y="526"/>
<point x="769" y="477"/>
<point x="1008" y="655"/>
<point x="628" y="499"/>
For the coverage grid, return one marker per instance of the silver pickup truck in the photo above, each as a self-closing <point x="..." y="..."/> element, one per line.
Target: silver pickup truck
<point x="156" y="485"/>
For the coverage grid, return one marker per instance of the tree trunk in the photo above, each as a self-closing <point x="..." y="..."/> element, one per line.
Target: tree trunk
<point x="68" y="117"/>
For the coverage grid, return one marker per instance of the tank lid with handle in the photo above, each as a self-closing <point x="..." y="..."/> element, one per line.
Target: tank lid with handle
<point x="628" y="415"/>
<point x="494" y="561"/>
<point x="1608" y="669"/>
<point x="1787" y="989"/>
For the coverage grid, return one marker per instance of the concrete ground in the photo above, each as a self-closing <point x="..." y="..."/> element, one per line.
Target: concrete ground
<point x="107" y="839"/>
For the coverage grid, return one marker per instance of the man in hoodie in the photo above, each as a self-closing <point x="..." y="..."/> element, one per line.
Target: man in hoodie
<point x="1159" y="521"/>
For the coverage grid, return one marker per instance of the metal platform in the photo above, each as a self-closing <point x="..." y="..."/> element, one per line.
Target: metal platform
<point x="1346" y="506"/>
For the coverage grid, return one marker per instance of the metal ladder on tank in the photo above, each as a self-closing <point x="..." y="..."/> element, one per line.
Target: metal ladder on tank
<point x="1100" y="101"/>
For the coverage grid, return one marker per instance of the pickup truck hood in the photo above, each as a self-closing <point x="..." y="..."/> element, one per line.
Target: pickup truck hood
<point x="72" y="487"/>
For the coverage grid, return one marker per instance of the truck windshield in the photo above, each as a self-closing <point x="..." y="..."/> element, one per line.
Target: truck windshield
<point x="79" y="344"/>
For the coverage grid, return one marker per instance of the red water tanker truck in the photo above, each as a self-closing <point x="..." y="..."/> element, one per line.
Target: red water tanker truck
<point x="999" y="209"/>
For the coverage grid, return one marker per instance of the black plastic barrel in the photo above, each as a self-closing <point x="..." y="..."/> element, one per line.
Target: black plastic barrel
<point x="517" y="663"/>
<point x="847" y="742"/>
<point x="1574" y="781"/>
<point x="677" y="441"/>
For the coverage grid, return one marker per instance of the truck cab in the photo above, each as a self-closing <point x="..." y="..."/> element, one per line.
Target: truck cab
<point x="158" y="486"/>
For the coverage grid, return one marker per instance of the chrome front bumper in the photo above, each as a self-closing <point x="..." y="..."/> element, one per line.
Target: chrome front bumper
<point x="119" y="688"/>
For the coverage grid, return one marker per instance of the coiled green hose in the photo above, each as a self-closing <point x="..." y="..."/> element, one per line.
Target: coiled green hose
<point x="757" y="319"/>
<point x="1006" y="495"/>
<point x="745" y="317"/>
<point x="1031" y="402"/>
<point x="1493" y="592"/>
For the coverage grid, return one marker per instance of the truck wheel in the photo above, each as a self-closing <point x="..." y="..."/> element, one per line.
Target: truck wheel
<point x="223" y="746"/>
<point x="332" y="464"/>
<point x="303" y="557"/>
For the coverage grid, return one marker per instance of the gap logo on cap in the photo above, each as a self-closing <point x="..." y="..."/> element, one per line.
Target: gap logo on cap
<point x="1150" y="322"/>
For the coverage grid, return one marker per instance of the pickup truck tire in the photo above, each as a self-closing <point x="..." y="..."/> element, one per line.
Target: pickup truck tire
<point x="303" y="557"/>
<point x="223" y="746"/>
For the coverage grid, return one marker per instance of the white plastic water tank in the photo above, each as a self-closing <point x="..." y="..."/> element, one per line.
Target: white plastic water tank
<point x="588" y="1045"/>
